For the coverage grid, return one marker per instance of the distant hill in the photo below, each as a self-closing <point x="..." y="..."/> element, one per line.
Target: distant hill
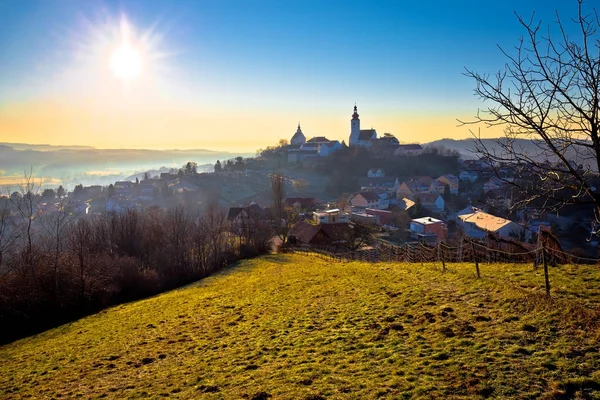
<point x="298" y="327"/>
<point x="88" y="165"/>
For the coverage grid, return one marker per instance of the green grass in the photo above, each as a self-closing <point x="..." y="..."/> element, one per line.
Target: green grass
<point x="297" y="327"/>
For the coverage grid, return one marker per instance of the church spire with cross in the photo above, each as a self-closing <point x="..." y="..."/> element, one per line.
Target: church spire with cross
<point x="298" y="139"/>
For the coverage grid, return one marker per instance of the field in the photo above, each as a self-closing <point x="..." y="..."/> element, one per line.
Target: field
<point x="299" y="327"/>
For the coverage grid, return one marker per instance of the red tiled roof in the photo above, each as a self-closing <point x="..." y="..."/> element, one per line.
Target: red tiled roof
<point x="369" y="195"/>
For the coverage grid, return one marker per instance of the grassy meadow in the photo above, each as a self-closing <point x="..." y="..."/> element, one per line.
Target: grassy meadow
<point x="299" y="327"/>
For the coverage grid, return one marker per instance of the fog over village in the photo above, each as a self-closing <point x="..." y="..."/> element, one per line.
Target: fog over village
<point x="299" y="200"/>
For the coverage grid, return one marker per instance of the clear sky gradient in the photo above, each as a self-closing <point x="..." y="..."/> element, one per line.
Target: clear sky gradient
<point x="240" y="75"/>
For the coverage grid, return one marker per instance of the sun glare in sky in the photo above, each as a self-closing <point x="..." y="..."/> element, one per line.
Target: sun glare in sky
<point x="126" y="61"/>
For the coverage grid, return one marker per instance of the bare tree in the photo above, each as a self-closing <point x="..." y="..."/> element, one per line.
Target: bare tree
<point x="283" y="219"/>
<point x="80" y="244"/>
<point x="8" y="231"/>
<point x="55" y="222"/>
<point x="547" y="93"/>
<point x="26" y="205"/>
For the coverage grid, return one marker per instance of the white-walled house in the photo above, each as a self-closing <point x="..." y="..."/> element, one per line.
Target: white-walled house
<point x="367" y="199"/>
<point x="477" y="224"/>
<point x="334" y="216"/>
<point x="376" y="173"/>
<point x="326" y="149"/>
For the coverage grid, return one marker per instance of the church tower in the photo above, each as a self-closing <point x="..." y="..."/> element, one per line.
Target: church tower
<point x="298" y="139"/>
<point x="354" y="129"/>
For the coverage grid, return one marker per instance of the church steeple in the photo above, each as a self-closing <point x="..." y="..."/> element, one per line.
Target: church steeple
<point x="355" y="115"/>
<point x="354" y="128"/>
<point x="298" y="138"/>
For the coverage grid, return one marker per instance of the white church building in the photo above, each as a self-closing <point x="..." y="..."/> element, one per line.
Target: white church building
<point x="318" y="146"/>
<point x="360" y="137"/>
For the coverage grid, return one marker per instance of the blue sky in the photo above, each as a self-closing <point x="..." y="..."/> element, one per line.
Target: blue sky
<point x="261" y="66"/>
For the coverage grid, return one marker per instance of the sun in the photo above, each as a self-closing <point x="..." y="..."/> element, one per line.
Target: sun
<point x="126" y="60"/>
<point x="126" y="63"/>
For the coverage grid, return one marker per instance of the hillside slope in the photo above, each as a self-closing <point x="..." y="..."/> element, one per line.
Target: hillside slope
<point x="297" y="327"/>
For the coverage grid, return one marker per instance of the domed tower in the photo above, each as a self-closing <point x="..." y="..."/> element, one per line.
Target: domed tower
<point x="298" y="139"/>
<point x="354" y="128"/>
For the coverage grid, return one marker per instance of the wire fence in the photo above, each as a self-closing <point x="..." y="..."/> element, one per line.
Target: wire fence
<point x="467" y="251"/>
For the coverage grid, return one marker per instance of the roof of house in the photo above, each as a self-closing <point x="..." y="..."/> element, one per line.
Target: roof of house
<point x="450" y="177"/>
<point x="485" y="221"/>
<point x="405" y="203"/>
<point x="427" y="220"/>
<point x="338" y="231"/>
<point x="411" y="185"/>
<point x="317" y="139"/>
<point x="368" y="195"/>
<point x="375" y="170"/>
<point x="234" y="212"/>
<point x="428" y="198"/>
<point x="366" y="134"/>
<point x="303" y="201"/>
<point x="304" y="231"/>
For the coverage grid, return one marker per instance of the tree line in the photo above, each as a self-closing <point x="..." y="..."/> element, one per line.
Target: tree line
<point x="57" y="266"/>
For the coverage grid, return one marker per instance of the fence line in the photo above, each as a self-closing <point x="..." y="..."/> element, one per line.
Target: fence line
<point x="467" y="251"/>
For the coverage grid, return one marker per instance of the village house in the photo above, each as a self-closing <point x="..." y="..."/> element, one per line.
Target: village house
<point x="409" y="150"/>
<point x="300" y="148"/>
<point x="366" y="199"/>
<point x="318" y="235"/>
<point x="364" y="218"/>
<point x="451" y="181"/>
<point x="428" y="230"/>
<point x="432" y="201"/>
<point x="376" y="173"/>
<point x="299" y="204"/>
<point x="478" y="224"/>
<point x="383" y="217"/>
<point x="333" y="216"/>
<point x="407" y="189"/>
<point x="124" y="188"/>
<point x="388" y="183"/>
<point x="93" y="191"/>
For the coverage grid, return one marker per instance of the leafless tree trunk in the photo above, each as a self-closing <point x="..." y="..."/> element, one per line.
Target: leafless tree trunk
<point x="26" y="205"/>
<point x="80" y="244"/>
<point x="55" y="223"/>
<point x="8" y="231"/>
<point x="283" y="219"/>
<point x="548" y="93"/>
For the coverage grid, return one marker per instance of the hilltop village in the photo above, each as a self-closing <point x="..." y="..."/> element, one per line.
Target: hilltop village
<point x="408" y="192"/>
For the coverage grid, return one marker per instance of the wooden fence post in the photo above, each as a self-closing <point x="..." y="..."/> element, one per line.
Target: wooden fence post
<point x="475" y="259"/>
<point x="546" y="277"/>
<point x="441" y="254"/>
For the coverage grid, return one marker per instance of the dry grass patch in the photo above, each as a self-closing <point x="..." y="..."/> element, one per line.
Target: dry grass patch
<point x="296" y="327"/>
